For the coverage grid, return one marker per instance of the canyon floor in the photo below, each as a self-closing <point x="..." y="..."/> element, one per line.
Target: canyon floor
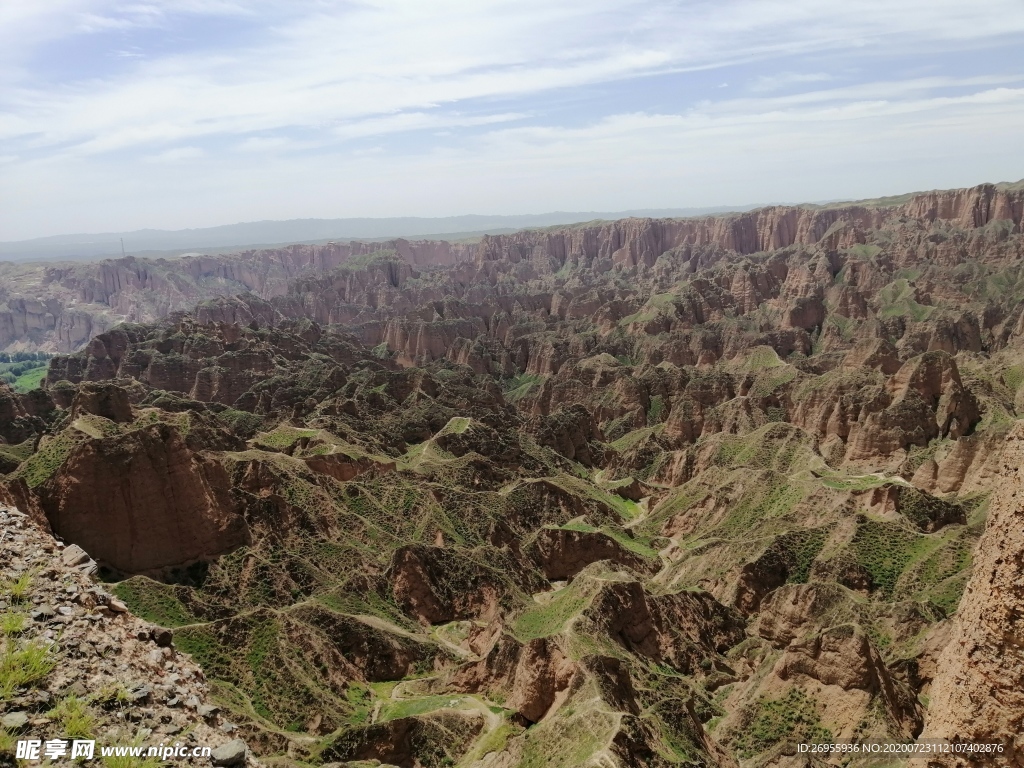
<point x="635" y="493"/>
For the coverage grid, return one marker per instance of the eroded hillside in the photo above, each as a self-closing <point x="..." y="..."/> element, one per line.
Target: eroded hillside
<point x="59" y="307"/>
<point x="641" y="493"/>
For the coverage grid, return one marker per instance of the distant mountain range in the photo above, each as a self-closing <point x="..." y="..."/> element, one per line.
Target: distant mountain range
<point x="265" y="233"/>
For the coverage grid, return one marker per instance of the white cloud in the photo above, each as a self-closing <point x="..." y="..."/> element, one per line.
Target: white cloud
<point x="176" y="155"/>
<point x="313" y="76"/>
<point x="380" y="58"/>
<point x="264" y="143"/>
<point x="786" y="79"/>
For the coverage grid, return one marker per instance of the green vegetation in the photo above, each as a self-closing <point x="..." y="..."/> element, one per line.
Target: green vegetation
<point x="455" y="426"/>
<point x="626" y="509"/>
<point x="864" y="250"/>
<point x="885" y="550"/>
<point x="769" y="500"/>
<point x="567" y="741"/>
<point x="495" y="741"/>
<point x="13" y="623"/>
<point x="99" y="427"/>
<point x="271" y="667"/>
<point x="846" y="326"/>
<point x="799" y="550"/>
<point x="903" y="562"/>
<point x="639" y="546"/>
<point x="637" y="436"/>
<point x="897" y="299"/>
<point x="923" y="509"/>
<point x="15" y="454"/>
<point x="23" y="371"/>
<point x="155" y="602"/>
<point x="23" y="664"/>
<point x="383" y="257"/>
<point x="660" y="304"/>
<point x="656" y="409"/>
<point x="853" y="482"/>
<point x="242" y="423"/>
<point x="768" y="722"/>
<point x="8" y="742"/>
<point x="76" y="721"/>
<point x="1013" y="377"/>
<point x="776" y="446"/>
<point x="771" y="379"/>
<point x="125" y="761"/>
<point x="18" y="588"/>
<point x="520" y="386"/>
<point x="760" y="358"/>
<point x="52" y="453"/>
<point x="393" y="710"/>
<point x="550" y="617"/>
<point x="284" y="436"/>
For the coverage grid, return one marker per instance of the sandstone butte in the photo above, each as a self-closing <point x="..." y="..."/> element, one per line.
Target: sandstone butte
<point x="634" y="493"/>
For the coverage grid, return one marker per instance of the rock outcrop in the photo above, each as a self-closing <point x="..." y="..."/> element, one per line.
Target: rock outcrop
<point x="143" y="501"/>
<point x="978" y="693"/>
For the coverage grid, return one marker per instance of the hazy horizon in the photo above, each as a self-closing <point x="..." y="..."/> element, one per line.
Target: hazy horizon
<point x="118" y="116"/>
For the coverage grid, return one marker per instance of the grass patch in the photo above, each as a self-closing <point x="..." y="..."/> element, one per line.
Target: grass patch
<point x="760" y="358"/>
<point x="262" y="668"/>
<point x="520" y="386"/>
<point x="771" y="379"/>
<point x="25" y="375"/>
<point x="550" y="618"/>
<point x="570" y="741"/>
<point x="495" y="741"/>
<point x="626" y="509"/>
<point x="126" y="761"/>
<point x="770" y="500"/>
<point x="394" y="710"/>
<point x="284" y="436"/>
<point x="42" y="465"/>
<point x="75" y="718"/>
<point x="242" y="423"/>
<point x="793" y="717"/>
<point x="457" y="425"/>
<point x="21" y="667"/>
<point x="656" y="409"/>
<point x="13" y="623"/>
<point x="864" y="250"/>
<point x="886" y="550"/>
<point x="1013" y="377"/>
<point x="897" y="300"/>
<point x="18" y="589"/>
<point x="774" y="446"/>
<point x="637" y="436"/>
<point x="17" y="453"/>
<point x="155" y="602"/>
<point x="853" y="482"/>
<point x="799" y="550"/>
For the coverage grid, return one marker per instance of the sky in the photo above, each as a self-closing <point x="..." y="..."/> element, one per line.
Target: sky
<point x="118" y="115"/>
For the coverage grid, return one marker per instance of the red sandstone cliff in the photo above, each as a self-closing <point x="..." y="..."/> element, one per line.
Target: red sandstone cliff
<point x="64" y="306"/>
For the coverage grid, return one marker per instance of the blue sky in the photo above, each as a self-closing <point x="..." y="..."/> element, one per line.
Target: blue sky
<point x="117" y="115"/>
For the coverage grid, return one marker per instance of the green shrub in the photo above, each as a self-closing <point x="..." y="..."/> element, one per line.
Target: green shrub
<point x="793" y="717"/>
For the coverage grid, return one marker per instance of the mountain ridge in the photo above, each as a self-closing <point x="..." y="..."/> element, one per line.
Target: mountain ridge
<point x="59" y="307"/>
<point x="245" y="235"/>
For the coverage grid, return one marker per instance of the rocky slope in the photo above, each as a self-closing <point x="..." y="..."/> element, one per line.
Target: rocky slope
<point x="979" y="694"/>
<point x="638" y="493"/>
<point x="77" y="665"/>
